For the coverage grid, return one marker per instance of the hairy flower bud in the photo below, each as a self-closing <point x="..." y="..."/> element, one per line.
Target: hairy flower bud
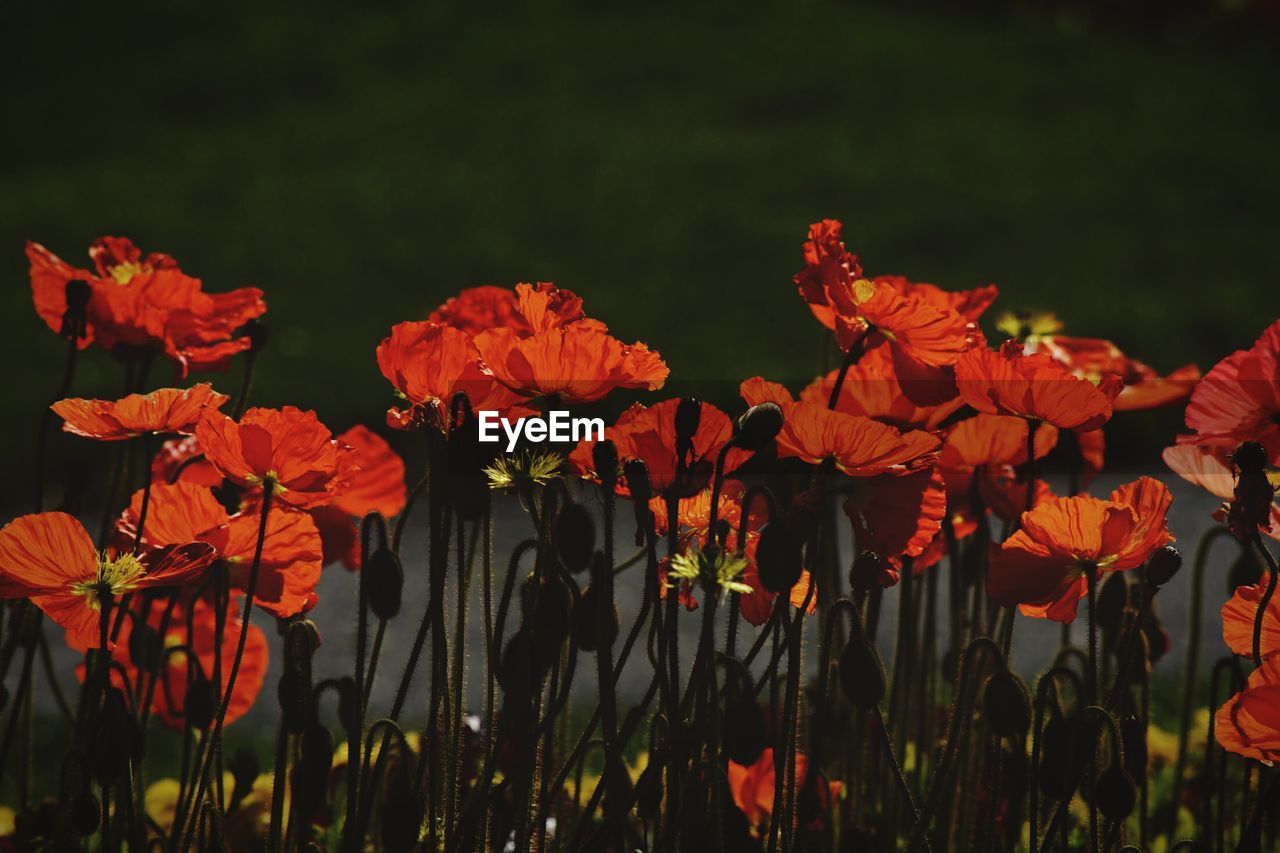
<point x="402" y="812"/>
<point x="1163" y="565"/>
<point x="1133" y="734"/>
<point x="778" y="558"/>
<point x="74" y="318"/>
<point x="1112" y="600"/>
<point x="861" y="674"/>
<point x="865" y="573"/>
<point x="1006" y="705"/>
<point x="758" y="426"/>
<point x="310" y="774"/>
<point x="604" y="457"/>
<point x="258" y="333"/>
<point x="587" y="624"/>
<point x="383" y="583"/>
<point x="1064" y="749"/>
<point x="117" y="741"/>
<point x="201" y="703"/>
<point x="1250" y="457"/>
<point x="637" y="474"/>
<point x="746" y="732"/>
<point x="1115" y="793"/>
<point x="688" y="416"/>
<point x="294" y="688"/>
<point x="575" y="536"/>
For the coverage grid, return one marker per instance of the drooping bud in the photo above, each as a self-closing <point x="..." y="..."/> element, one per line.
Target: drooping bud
<point x="1063" y="752"/>
<point x="244" y="768"/>
<point x="258" y="333"/>
<point x="866" y="570"/>
<point x="1250" y="457"/>
<point x="688" y="416"/>
<point x="1163" y="565"/>
<point x="1006" y="706"/>
<point x="403" y="811"/>
<point x="637" y="474"/>
<point x="1133" y="734"/>
<point x="575" y="536"/>
<point x="117" y="741"/>
<point x="746" y="732"/>
<point x="552" y="614"/>
<point x="861" y="674"/>
<point x="145" y="648"/>
<point x="604" y="456"/>
<point x="295" y="684"/>
<point x="520" y="669"/>
<point x="74" y="318"/>
<point x="201" y="702"/>
<point x="778" y="557"/>
<point x="587" y="620"/>
<point x="1112" y="600"/>
<point x="758" y="426"/>
<point x="1115" y="793"/>
<point x="86" y="812"/>
<point x="310" y="774"/>
<point x="383" y="583"/>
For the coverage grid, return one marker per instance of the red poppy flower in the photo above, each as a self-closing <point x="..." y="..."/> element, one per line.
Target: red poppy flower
<point x="858" y="446"/>
<point x="873" y="389"/>
<point x="1209" y="469"/>
<point x="1008" y="382"/>
<point x="989" y="449"/>
<point x="49" y="558"/>
<point x="1042" y="566"/>
<point x="757" y="606"/>
<point x="1239" y="399"/>
<point x="288" y="446"/>
<point x="488" y="307"/>
<point x="753" y="787"/>
<point x="291" y="552"/>
<point x="146" y="302"/>
<point x="897" y="517"/>
<point x="1093" y="358"/>
<point x="371" y="480"/>
<point x="970" y="303"/>
<point x="428" y="364"/>
<point x="648" y="433"/>
<point x="181" y="459"/>
<point x="578" y="361"/>
<point x="1238" y="616"/>
<point x="1249" y="723"/>
<point x="166" y="410"/>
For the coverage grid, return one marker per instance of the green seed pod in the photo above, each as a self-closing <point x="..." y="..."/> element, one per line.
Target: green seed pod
<point x="779" y="558"/>
<point x="1006" y="706"/>
<point x="383" y="583"/>
<point x="861" y="675"/>
<point x="575" y="536"/>
<point x="1115" y="793"/>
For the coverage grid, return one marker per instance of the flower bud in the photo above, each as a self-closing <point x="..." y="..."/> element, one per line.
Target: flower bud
<point x="1133" y="734"/>
<point x="258" y="334"/>
<point x="1112" y="600"/>
<point x="575" y="536"/>
<point x="1250" y="457"/>
<point x="1115" y="793"/>
<point x="552" y="615"/>
<point x="74" y="318"/>
<point x="637" y="474"/>
<point x="618" y="790"/>
<point x="1006" y="706"/>
<point x="117" y="740"/>
<point x="688" y="416"/>
<point x="866" y="570"/>
<point x="861" y="675"/>
<point x="520" y="669"/>
<point x="383" y="583"/>
<point x="86" y="813"/>
<point x="604" y="458"/>
<point x="201" y="703"/>
<point x="746" y="732"/>
<point x="649" y="792"/>
<point x="778" y="558"/>
<point x="587" y="626"/>
<point x="294" y="689"/>
<point x="403" y="811"/>
<point x="145" y="648"/>
<point x="1163" y="565"/>
<point x="758" y="426"/>
<point x="244" y="768"/>
<point x="310" y="774"/>
<point x="1063" y="753"/>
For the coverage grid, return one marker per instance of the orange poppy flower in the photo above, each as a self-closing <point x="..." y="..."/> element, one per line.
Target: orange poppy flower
<point x="970" y="303"/>
<point x="1239" y="399"/>
<point x="897" y="517"/>
<point x="181" y="459"/>
<point x="288" y="446"/>
<point x="291" y="552"/>
<point x="488" y="307"/>
<point x="1209" y="469"/>
<point x="828" y="266"/>
<point x="873" y="389"/>
<point x="753" y="787"/>
<point x="858" y="446"/>
<point x="579" y="361"/>
<point x="1093" y="358"/>
<point x="371" y="480"/>
<point x="49" y="558"/>
<point x="1009" y="382"/>
<point x="428" y="364"/>
<point x="146" y="302"/>
<point x="1237" y="621"/>
<point x="648" y="433"/>
<point x="1042" y="566"/>
<point x="170" y="693"/>
<point x="166" y="410"/>
<point x="989" y="449"/>
<point x="1249" y="723"/>
<point x="757" y="606"/>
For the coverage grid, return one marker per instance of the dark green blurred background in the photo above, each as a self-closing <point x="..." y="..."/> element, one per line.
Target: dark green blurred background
<point x="361" y="162"/>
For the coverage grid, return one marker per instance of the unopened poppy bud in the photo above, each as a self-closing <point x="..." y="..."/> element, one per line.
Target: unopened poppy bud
<point x="590" y="626"/>
<point x="1063" y="751"/>
<point x="637" y="474"/>
<point x="688" y="416"/>
<point x="348" y="709"/>
<point x="604" y="456"/>
<point x="519" y="670"/>
<point x="403" y="811"/>
<point x="746" y="732"/>
<point x="294" y="688"/>
<point x="1112" y="600"/>
<point x="618" y="789"/>
<point x="74" y="318"/>
<point x="244" y="768"/>
<point x="575" y="536"/>
<point x="86" y="813"/>
<point x="383" y="583"/>
<point x="648" y="792"/>
<point x="201" y="703"/>
<point x="1115" y="793"/>
<point x="861" y="674"/>
<point x="778" y="558"/>
<point x="1163" y="565"/>
<point x="1133" y="734"/>
<point x="310" y="774"/>
<point x="258" y="334"/>
<point x="117" y="741"/>
<point x="865" y="573"/>
<point x="552" y="613"/>
<point x="145" y="648"/>
<point x="1006" y="706"/>
<point x="758" y="426"/>
<point x="1250" y="457"/>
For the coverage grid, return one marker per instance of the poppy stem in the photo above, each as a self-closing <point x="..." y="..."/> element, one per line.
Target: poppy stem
<point x="1272" y="572"/>
<point x="851" y="357"/>
<point x="47" y="416"/>
<point x="1032" y="469"/>
<point x="202" y="780"/>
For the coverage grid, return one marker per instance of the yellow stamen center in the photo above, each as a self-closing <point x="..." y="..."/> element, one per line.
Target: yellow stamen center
<point x="114" y="577"/>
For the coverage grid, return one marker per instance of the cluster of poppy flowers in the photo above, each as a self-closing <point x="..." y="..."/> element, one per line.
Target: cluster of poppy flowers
<point x="927" y="435"/>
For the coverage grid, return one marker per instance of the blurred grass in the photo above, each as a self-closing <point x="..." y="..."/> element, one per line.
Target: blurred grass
<point x="361" y="163"/>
